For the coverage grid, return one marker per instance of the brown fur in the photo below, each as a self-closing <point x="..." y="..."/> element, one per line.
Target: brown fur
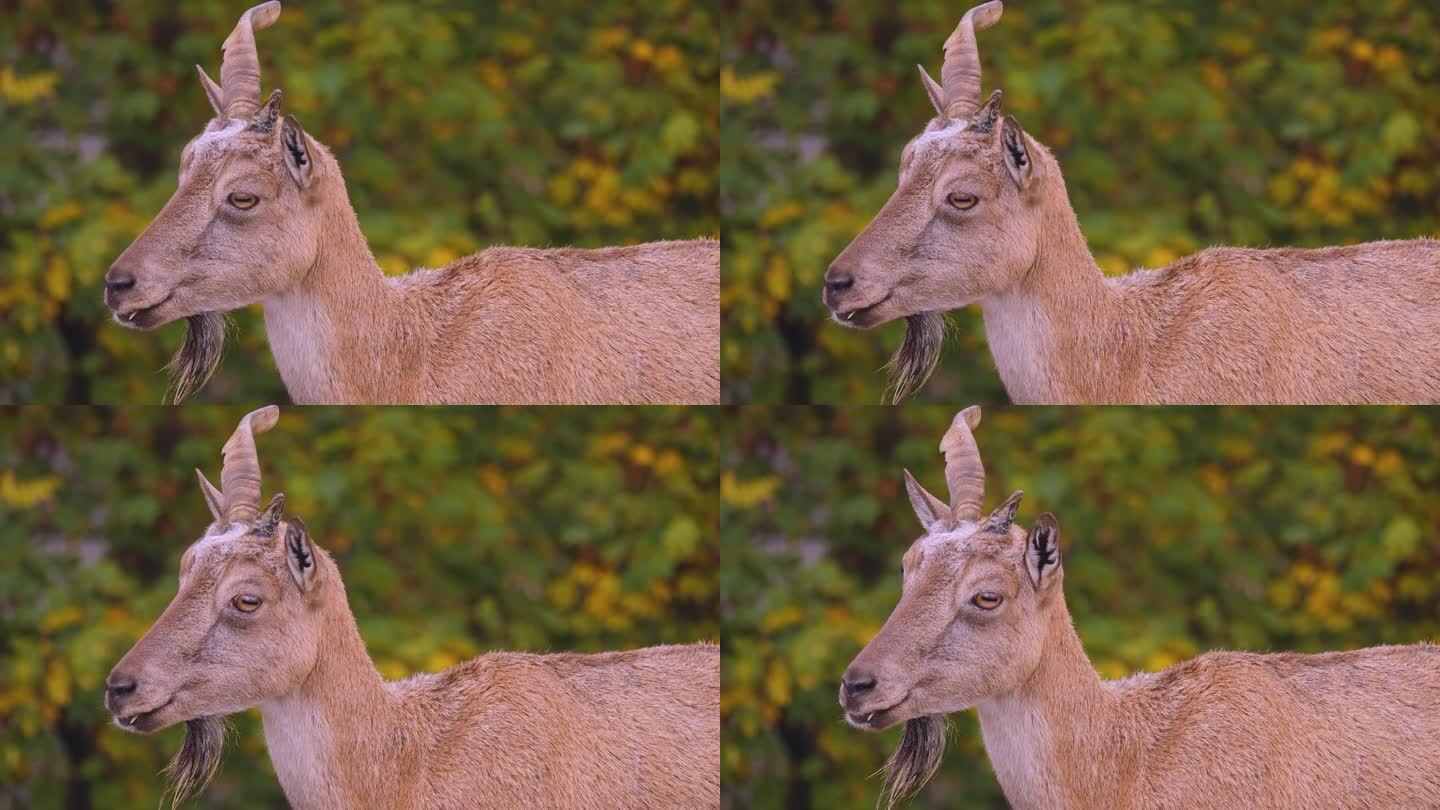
<point x="638" y="324"/>
<point x="639" y="728"/>
<point x="1228" y="729"/>
<point x="1227" y="325"/>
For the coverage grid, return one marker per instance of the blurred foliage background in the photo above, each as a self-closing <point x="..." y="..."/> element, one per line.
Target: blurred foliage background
<point x="457" y="531"/>
<point x="1182" y="530"/>
<point x="1178" y="125"/>
<point x="458" y="126"/>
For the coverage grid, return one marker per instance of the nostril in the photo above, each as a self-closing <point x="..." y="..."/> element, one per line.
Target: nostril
<point x="119" y="280"/>
<point x="838" y="280"/>
<point x="858" y="683"/>
<point x="119" y="685"/>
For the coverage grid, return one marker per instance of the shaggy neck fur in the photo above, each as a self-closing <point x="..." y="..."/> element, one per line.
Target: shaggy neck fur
<point x="1226" y="729"/>
<point x="342" y="733"/>
<point x="1225" y="325"/>
<point x="637" y="324"/>
<point x="1046" y="333"/>
<point x="1045" y="738"/>
<point x="337" y="333"/>
<point x="501" y="730"/>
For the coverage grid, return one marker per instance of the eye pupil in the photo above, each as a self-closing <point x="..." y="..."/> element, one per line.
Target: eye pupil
<point x="960" y="201"/>
<point x="986" y="600"/>
<point x="246" y="603"/>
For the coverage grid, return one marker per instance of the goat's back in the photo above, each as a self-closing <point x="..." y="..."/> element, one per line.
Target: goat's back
<point x="1346" y="324"/>
<point x="639" y="728"/>
<point x="1347" y="729"/>
<point x="638" y="324"/>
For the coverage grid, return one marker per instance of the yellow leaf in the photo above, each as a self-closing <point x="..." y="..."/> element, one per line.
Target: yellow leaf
<point x="27" y="89"/>
<point x="61" y="214"/>
<point x="494" y="479"/>
<point x="747" y="89"/>
<point x="1160" y="256"/>
<point x="57" y="683"/>
<point x="25" y="494"/>
<point x="440" y="256"/>
<point x="747" y="493"/>
<point x="781" y="214"/>
<point x="1389" y="58"/>
<point x="782" y="618"/>
<point x="642" y="50"/>
<point x="440" y="660"/>
<point x="62" y="617"/>
<point x="777" y="683"/>
<point x="669" y="59"/>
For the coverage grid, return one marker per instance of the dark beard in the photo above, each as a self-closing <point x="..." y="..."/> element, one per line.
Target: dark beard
<point x="916" y="760"/>
<point x="199" y="355"/>
<point x="917" y="357"/>
<point x="197" y="760"/>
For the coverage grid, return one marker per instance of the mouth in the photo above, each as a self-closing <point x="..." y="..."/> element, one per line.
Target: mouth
<point x="860" y="317"/>
<point x="875" y="719"/>
<point x="142" y="722"/>
<point x="143" y="318"/>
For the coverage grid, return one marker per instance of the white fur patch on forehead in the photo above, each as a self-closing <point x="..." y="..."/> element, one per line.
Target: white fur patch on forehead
<point x="943" y="133"/>
<point x="213" y="538"/>
<point x="937" y="540"/>
<point x="233" y="127"/>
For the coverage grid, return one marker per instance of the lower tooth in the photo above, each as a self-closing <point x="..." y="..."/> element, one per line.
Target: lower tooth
<point x="869" y="716"/>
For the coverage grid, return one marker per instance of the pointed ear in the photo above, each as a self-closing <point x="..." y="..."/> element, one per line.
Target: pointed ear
<point x="212" y="90"/>
<point x="933" y="512"/>
<point x="299" y="553"/>
<point x="213" y="498"/>
<point x="1004" y="514"/>
<point x="296" y="146"/>
<point x="264" y="121"/>
<point x="1042" y="551"/>
<point x="933" y="90"/>
<point x="983" y="121"/>
<point x="265" y="522"/>
<point x="1016" y="150"/>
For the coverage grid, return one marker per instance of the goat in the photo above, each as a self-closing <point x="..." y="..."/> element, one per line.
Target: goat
<point x="261" y="214"/>
<point x="261" y="619"/>
<point x="981" y="216"/>
<point x="982" y="622"/>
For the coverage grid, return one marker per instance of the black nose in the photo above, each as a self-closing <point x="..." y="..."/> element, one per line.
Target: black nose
<point x="119" y="685"/>
<point x="117" y="281"/>
<point x="857" y="683"/>
<point x="838" y="280"/>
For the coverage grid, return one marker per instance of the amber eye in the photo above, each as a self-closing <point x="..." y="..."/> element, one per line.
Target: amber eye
<point x="245" y="603"/>
<point x="986" y="600"/>
<point x="961" y="202"/>
<point x="241" y="200"/>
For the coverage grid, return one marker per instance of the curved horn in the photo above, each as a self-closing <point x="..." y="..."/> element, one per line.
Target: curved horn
<point x="213" y="498"/>
<point x="212" y="91"/>
<point x="964" y="473"/>
<point x="933" y="90"/>
<point x="240" y="475"/>
<point x="240" y="64"/>
<point x="960" y="76"/>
